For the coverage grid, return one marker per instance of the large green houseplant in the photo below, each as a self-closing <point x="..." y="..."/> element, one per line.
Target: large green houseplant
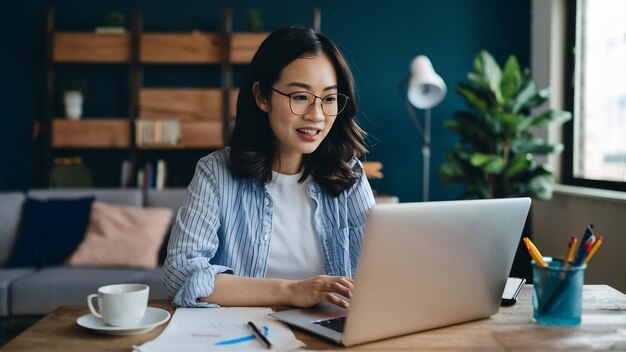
<point x="494" y="155"/>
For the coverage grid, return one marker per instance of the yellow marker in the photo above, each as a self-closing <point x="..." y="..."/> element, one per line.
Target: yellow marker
<point x="571" y="249"/>
<point x="595" y="247"/>
<point x="534" y="253"/>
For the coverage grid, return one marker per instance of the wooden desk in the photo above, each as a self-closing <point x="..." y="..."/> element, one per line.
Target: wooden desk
<point x="603" y="328"/>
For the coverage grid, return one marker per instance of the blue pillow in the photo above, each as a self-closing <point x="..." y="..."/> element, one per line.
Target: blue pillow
<point x="50" y="231"/>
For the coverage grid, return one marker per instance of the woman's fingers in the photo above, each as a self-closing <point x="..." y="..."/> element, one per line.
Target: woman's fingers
<point x="349" y="283"/>
<point x="311" y="291"/>
<point x="339" y="288"/>
<point x="334" y="300"/>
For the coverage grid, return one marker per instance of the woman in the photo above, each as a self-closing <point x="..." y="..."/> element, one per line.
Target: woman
<point x="278" y="217"/>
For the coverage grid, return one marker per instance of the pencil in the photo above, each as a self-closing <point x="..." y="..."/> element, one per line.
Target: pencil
<point x="595" y="247"/>
<point x="571" y="248"/>
<point x="534" y="252"/>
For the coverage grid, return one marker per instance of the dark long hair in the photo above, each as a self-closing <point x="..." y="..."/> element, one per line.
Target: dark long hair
<point x="252" y="142"/>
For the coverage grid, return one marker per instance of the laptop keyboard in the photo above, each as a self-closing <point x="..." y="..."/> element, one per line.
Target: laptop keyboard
<point x="336" y="324"/>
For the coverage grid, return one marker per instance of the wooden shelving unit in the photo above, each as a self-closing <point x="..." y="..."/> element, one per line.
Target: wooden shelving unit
<point x="181" y="48"/>
<point x="91" y="133"/>
<point x="205" y="114"/>
<point x="243" y="46"/>
<point x="73" y="47"/>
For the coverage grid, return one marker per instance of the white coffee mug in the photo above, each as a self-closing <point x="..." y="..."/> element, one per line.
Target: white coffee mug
<point x="120" y="305"/>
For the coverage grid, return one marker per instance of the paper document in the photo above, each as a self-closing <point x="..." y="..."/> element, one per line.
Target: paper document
<point x="220" y="329"/>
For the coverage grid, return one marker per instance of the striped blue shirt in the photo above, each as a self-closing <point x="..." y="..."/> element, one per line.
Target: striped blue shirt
<point x="224" y="226"/>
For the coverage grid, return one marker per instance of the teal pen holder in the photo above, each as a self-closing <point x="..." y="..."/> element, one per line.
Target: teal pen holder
<point x="557" y="293"/>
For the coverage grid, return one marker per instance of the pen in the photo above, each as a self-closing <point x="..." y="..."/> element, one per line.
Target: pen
<point x="257" y="333"/>
<point x="584" y="250"/>
<point x="593" y="249"/>
<point x="581" y="249"/>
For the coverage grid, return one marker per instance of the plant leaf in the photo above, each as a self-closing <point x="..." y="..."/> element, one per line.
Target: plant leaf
<point x="486" y="65"/>
<point x="526" y="92"/>
<point x="540" y="187"/>
<point x="535" y="146"/>
<point x="473" y="130"/>
<point x="510" y="122"/>
<point x="491" y="164"/>
<point x="518" y="164"/>
<point x="538" y="99"/>
<point x="551" y="117"/>
<point x="510" y="78"/>
<point x="472" y="98"/>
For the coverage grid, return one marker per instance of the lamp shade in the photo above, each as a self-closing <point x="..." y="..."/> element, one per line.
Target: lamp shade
<point x="426" y="88"/>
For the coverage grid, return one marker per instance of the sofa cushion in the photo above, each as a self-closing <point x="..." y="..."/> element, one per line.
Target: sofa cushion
<point x="43" y="291"/>
<point x="113" y="195"/>
<point x="7" y="276"/>
<point x="122" y="236"/>
<point x="10" y="212"/>
<point x="50" y="231"/>
<point x="168" y="198"/>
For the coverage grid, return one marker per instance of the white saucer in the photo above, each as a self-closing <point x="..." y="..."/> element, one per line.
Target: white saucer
<point x="153" y="318"/>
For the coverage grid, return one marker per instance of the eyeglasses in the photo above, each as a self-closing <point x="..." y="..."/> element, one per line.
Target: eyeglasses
<point x="301" y="102"/>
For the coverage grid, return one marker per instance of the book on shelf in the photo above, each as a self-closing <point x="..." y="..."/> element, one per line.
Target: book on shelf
<point x="151" y="176"/>
<point x="151" y="132"/>
<point x="125" y="175"/>
<point x="161" y="174"/>
<point x="148" y="174"/>
<point x="140" y="179"/>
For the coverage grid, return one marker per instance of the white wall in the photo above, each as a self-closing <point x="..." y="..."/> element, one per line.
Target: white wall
<point x="572" y="208"/>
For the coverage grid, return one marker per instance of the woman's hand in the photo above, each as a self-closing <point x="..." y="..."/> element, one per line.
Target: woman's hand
<point x="306" y="293"/>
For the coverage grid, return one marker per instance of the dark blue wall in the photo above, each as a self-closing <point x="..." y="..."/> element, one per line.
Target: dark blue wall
<point x="379" y="39"/>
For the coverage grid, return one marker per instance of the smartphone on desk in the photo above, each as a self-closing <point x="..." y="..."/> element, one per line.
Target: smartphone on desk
<point x="511" y="290"/>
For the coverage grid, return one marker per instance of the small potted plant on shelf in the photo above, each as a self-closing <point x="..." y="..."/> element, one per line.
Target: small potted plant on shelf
<point x="114" y="23"/>
<point x="254" y="23"/>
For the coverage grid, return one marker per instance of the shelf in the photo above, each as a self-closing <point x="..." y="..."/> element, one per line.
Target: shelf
<point x="156" y="48"/>
<point x="91" y="133"/>
<point x="84" y="47"/>
<point x="201" y="134"/>
<point x="180" y="103"/>
<point x="183" y="48"/>
<point x="182" y="135"/>
<point x="243" y="46"/>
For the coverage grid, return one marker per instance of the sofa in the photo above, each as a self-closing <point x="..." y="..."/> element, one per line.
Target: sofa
<point x="31" y="291"/>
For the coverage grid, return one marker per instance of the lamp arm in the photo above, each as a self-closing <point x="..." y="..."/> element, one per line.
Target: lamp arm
<point x="409" y="108"/>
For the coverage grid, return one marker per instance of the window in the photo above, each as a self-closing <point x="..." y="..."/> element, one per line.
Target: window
<point x="596" y="137"/>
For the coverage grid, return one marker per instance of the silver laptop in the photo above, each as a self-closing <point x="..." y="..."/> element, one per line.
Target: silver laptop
<point x="423" y="266"/>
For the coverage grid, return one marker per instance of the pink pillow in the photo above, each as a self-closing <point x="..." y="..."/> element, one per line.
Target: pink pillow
<point x="122" y="236"/>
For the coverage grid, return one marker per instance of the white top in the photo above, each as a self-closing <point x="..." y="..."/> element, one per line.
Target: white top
<point x="295" y="252"/>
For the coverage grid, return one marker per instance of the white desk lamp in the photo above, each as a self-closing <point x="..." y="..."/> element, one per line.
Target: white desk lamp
<point x="425" y="90"/>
